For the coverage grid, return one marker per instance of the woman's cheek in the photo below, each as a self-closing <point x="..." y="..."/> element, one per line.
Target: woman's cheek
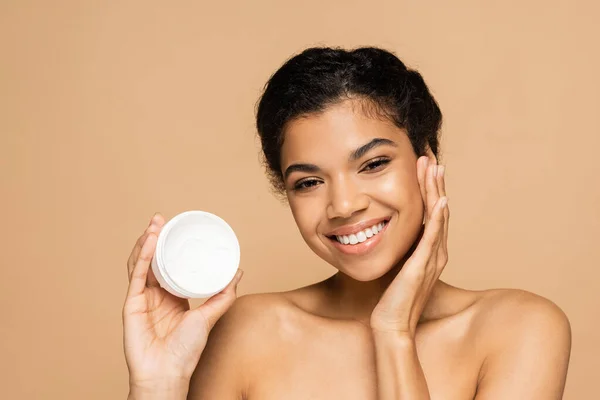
<point x="395" y="186"/>
<point x="400" y="191"/>
<point x="305" y="211"/>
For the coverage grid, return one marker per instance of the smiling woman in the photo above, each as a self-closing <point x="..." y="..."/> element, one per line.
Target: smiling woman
<point x="366" y="175"/>
<point x="350" y="139"/>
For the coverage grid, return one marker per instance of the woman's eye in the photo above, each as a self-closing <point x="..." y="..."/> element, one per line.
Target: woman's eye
<point x="306" y="184"/>
<point x="376" y="164"/>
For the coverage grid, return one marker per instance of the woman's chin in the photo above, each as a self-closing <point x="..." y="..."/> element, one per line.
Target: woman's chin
<point x="364" y="273"/>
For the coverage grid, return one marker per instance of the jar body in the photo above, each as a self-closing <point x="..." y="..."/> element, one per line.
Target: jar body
<point x="197" y="255"/>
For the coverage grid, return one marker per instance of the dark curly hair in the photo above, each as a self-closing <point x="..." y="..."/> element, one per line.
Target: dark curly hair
<point x="322" y="76"/>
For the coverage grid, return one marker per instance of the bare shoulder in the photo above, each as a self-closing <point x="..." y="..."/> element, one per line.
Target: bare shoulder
<point x="502" y="312"/>
<point x="263" y="312"/>
<point x="249" y="324"/>
<point x="521" y="335"/>
<point x="252" y="309"/>
<point x="238" y="344"/>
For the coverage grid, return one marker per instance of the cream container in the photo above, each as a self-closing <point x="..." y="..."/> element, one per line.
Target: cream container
<point x="197" y="255"/>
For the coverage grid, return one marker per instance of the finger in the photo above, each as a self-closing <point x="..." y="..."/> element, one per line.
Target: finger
<point x="417" y="268"/>
<point x="431" y="187"/>
<point x="158" y="219"/>
<point x="151" y="280"/>
<point x="155" y="225"/>
<point x="140" y="271"/>
<point x="135" y="252"/>
<point x="217" y="305"/>
<point x="428" y="245"/>
<point x="441" y="182"/>
<point x="421" y="174"/>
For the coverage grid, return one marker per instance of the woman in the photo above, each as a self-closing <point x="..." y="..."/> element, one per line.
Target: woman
<point x="351" y="139"/>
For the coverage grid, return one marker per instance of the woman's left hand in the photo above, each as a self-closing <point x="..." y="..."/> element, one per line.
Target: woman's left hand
<point x="401" y="305"/>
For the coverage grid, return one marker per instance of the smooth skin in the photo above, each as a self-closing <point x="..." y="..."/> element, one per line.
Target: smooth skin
<point x="384" y="326"/>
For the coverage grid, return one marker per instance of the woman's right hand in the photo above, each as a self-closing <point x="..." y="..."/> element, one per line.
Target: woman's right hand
<point x="163" y="338"/>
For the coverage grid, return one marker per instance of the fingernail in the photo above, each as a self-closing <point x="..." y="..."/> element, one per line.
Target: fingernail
<point x="239" y="274"/>
<point x="441" y="171"/>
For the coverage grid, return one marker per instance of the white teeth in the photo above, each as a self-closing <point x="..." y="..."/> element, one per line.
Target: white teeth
<point x="361" y="236"/>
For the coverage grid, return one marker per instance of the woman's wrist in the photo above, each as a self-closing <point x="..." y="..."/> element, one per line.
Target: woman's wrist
<point x="393" y="343"/>
<point x="168" y="388"/>
<point x="393" y="336"/>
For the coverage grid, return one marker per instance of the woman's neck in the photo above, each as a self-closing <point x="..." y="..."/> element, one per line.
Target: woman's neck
<point x="355" y="300"/>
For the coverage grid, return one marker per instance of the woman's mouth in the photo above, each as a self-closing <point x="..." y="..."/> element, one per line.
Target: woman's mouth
<point x="360" y="242"/>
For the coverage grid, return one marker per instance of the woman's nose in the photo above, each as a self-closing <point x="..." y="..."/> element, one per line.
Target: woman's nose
<point x="345" y="199"/>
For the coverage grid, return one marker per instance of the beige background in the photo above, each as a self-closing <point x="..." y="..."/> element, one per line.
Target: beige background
<point x="110" y="111"/>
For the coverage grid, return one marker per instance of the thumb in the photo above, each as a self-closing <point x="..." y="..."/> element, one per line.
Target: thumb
<point x="217" y="305"/>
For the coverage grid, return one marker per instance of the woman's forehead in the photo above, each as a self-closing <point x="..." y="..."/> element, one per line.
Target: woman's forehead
<point x="339" y="130"/>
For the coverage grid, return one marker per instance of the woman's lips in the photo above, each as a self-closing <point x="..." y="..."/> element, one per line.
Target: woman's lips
<point x="360" y="248"/>
<point x="349" y="229"/>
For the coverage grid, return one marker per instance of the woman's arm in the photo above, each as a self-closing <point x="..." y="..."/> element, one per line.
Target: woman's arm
<point x="168" y="389"/>
<point x="399" y="373"/>
<point x="395" y="318"/>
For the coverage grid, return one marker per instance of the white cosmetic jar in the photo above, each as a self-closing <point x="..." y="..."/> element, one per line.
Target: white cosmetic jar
<point x="196" y="256"/>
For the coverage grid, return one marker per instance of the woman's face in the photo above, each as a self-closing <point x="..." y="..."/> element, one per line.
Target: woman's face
<point x="345" y="173"/>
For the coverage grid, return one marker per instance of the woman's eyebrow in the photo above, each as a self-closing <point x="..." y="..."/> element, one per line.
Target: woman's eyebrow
<point x="311" y="168"/>
<point x="355" y="155"/>
<point x="364" y="149"/>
